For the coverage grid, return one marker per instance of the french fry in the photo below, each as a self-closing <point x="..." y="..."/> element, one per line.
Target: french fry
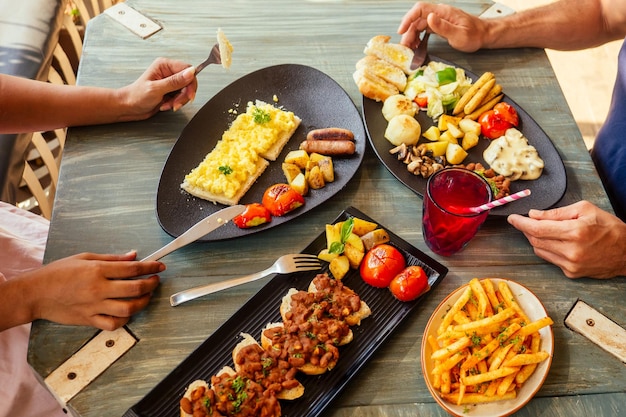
<point x="465" y="98"/>
<point x="478" y="398"/>
<point x="526" y="359"/>
<point x="449" y="350"/>
<point x="481" y="295"/>
<point x="458" y="305"/>
<point x="509" y="300"/>
<point x="535" y="326"/>
<point x="496" y="318"/>
<point x="489" y="376"/>
<point x="480" y="95"/>
<point x="485" y="347"/>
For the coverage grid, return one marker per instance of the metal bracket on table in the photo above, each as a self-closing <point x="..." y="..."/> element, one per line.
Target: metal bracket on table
<point x="88" y="362"/>
<point x="497" y="10"/>
<point x="598" y="328"/>
<point x="133" y="20"/>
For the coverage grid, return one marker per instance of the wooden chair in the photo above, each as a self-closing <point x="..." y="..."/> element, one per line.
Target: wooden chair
<point x="41" y="169"/>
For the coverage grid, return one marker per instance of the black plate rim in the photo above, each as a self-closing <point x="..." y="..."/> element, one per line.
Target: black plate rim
<point x="369" y="336"/>
<point x="555" y="168"/>
<point x="176" y="210"/>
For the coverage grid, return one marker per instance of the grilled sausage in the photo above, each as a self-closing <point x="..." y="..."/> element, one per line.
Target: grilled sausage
<point x="330" y="133"/>
<point x="329" y="147"/>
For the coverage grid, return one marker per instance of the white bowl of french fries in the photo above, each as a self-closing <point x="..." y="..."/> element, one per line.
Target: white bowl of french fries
<point x="487" y="348"/>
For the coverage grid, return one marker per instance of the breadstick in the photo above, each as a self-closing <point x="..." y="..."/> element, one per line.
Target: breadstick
<point x="496" y="90"/>
<point x="475" y="101"/>
<point x="484" y="108"/>
<point x="471" y="91"/>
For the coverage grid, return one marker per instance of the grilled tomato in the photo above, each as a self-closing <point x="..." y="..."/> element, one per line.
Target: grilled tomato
<point x="254" y="214"/>
<point x="381" y="264"/>
<point x="409" y="284"/>
<point x="280" y="199"/>
<point x="493" y="125"/>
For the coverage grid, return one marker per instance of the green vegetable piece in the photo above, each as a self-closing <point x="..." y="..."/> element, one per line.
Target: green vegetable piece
<point x="446" y="76"/>
<point x="226" y="170"/>
<point x="261" y="116"/>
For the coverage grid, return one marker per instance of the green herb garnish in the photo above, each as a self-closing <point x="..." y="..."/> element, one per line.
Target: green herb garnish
<point x="261" y="116"/>
<point x="226" y="170"/>
<point x="346" y="230"/>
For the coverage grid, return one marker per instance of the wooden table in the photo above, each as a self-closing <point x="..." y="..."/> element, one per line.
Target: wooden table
<point x="109" y="177"/>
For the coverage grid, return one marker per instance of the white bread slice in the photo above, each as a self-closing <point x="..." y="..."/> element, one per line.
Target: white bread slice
<point x="394" y="53"/>
<point x="242" y="154"/>
<point x="355" y="318"/>
<point x="372" y="86"/>
<point x="307" y="368"/>
<point x="383" y="69"/>
<point x="226" y="49"/>
<point x="190" y="186"/>
<point x="190" y="389"/>
<point x="284" y="394"/>
<point x="285" y="307"/>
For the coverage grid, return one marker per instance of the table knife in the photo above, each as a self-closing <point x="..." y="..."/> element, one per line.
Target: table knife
<point x="200" y="229"/>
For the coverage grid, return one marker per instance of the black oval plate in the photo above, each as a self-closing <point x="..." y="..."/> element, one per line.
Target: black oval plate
<point x="312" y="95"/>
<point x="546" y="191"/>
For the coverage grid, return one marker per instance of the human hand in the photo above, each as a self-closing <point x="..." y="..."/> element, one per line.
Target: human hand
<point x="102" y="291"/>
<point x="463" y="31"/>
<point x="149" y="93"/>
<point x="581" y="239"/>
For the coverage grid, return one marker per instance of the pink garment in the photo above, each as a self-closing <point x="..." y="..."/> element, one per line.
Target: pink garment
<point x="22" y="242"/>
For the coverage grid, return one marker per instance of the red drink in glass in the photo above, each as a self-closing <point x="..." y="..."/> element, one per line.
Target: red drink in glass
<point x="447" y="223"/>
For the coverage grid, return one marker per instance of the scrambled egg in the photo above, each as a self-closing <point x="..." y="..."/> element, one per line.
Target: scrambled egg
<point x="238" y="156"/>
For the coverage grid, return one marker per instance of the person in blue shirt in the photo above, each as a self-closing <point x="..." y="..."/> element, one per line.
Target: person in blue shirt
<point x="581" y="239"/>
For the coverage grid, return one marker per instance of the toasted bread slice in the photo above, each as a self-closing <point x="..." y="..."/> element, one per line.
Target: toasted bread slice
<point x="355" y="318"/>
<point x="199" y="383"/>
<point x="205" y="182"/>
<point x="394" y="53"/>
<point x="226" y="49"/>
<point x="372" y="86"/>
<point x="285" y="307"/>
<point x="383" y="69"/>
<point x="308" y="368"/>
<point x="248" y="340"/>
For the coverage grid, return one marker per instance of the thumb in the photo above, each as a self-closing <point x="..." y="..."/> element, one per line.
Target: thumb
<point x="181" y="79"/>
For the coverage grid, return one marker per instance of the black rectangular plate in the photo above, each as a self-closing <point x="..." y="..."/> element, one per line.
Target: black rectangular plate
<point x="263" y="308"/>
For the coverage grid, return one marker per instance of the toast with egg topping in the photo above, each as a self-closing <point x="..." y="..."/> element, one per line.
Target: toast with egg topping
<point x="242" y="155"/>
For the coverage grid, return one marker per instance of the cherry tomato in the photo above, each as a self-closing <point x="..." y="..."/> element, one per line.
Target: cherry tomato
<point x="409" y="284"/>
<point x="492" y="125"/>
<point x="280" y="199"/>
<point x="254" y="214"/>
<point x="507" y="112"/>
<point x="381" y="264"/>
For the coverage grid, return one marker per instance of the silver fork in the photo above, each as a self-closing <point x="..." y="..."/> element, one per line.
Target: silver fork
<point x="286" y="264"/>
<point x="214" y="58"/>
<point x="420" y="54"/>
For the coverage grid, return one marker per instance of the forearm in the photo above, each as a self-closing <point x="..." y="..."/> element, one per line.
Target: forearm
<point x="563" y="25"/>
<point x="29" y="106"/>
<point x="15" y="303"/>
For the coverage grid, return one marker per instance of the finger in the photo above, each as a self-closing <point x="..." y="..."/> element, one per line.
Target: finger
<point x="128" y="256"/>
<point x="542" y="229"/>
<point x="415" y="14"/>
<point x="134" y="288"/>
<point x="108" y="323"/>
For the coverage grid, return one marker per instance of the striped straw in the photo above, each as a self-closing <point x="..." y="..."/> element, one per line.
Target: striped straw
<point x="501" y="201"/>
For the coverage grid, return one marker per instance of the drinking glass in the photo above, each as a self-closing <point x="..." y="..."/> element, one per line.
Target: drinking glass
<point x="448" y="224"/>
